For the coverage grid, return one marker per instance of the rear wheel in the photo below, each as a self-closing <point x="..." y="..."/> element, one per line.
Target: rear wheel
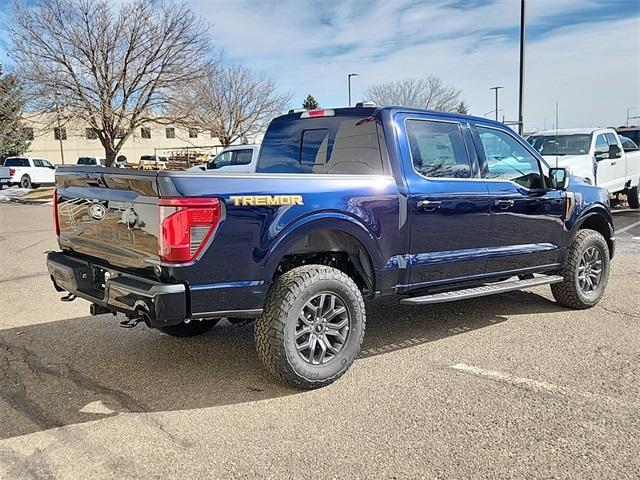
<point x="585" y="273"/>
<point x="633" y="197"/>
<point x="25" y="181"/>
<point x="191" y="329"/>
<point x="312" y="326"/>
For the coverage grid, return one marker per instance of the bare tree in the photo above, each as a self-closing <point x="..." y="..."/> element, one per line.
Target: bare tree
<point x="111" y="66"/>
<point x="231" y="101"/>
<point x="428" y="93"/>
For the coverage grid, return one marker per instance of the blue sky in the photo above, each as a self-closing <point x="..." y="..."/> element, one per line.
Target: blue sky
<point x="584" y="54"/>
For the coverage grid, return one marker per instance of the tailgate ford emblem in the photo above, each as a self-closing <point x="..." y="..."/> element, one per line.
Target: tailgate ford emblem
<point x="97" y="211"/>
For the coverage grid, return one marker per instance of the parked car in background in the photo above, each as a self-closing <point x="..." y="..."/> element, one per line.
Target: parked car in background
<point x="632" y="133"/>
<point x="596" y="154"/>
<point x="30" y="172"/>
<point x="236" y="159"/>
<point x="93" y="161"/>
<point x="98" y="162"/>
<point x="628" y="145"/>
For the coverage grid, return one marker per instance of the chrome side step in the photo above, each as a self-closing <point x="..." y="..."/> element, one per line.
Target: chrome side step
<point x="484" y="290"/>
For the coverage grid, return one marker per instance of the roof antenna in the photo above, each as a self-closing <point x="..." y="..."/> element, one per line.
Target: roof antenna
<point x="556" y="135"/>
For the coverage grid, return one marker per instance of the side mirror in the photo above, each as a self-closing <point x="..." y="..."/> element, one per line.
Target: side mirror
<point x="204" y="169"/>
<point x="559" y="178"/>
<point x="614" y="151"/>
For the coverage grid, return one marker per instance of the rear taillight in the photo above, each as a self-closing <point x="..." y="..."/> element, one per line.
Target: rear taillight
<point x="56" y="223"/>
<point x="186" y="225"/>
<point x="12" y="172"/>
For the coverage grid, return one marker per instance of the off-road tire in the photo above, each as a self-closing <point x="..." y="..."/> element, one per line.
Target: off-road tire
<point x="568" y="293"/>
<point x="275" y="328"/>
<point x="633" y="197"/>
<point x="191" y="329"/>
<point x="25" y="182"/>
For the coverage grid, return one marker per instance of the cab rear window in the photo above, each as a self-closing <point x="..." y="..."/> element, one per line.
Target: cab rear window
<point x="327" y="145"/>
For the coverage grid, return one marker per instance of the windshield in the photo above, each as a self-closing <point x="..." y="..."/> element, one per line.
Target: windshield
<point x="86" y="161"/>
<point x="561" y="144"/>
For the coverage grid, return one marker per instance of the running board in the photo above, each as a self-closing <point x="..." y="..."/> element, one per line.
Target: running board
<point x="484" y="290"/>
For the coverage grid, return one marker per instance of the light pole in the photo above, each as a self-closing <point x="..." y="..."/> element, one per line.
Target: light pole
<point x="349" y="82"/>
<point x="521" y="88"/>
<point x="497" y="109"/>
<point x="629" y="117"/>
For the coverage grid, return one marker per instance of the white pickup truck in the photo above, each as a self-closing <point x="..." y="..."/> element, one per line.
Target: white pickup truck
<point x="30" y="172"/>
<point x="596" y="154"/>
<point x="234" y="159"/>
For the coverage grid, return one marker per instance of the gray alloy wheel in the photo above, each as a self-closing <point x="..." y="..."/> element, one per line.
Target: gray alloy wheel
<point x="590" y="270"/>
<point x="312" y="326"/>
<point x="585" y="271"/>
<point x="25" y="181"/>
<point x="322" y="329"/>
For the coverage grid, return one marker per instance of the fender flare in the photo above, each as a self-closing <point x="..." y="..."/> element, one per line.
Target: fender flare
<point x="316" y="222"/>
<point x="591" y="212"/>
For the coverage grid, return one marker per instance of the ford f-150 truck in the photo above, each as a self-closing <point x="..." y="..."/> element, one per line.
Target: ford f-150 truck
<point x="346" y="205"/>
<point x="596" y="154"/>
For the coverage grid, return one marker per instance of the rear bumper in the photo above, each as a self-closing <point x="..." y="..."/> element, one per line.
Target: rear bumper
<point x="163" y="304"/>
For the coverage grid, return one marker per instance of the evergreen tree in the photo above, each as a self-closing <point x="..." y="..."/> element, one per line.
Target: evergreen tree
<point x="462" y="108"/>
<point x="12" y="138"/>
<point x="310" y="103"/>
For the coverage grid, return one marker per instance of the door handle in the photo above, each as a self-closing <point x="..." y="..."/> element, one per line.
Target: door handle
<point x="429" y="205"/>
<point x="505" y="203"/>
<point x="613" y="163"/>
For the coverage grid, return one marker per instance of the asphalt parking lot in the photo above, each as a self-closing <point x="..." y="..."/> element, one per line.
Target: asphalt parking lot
<point x="510" y="386"/>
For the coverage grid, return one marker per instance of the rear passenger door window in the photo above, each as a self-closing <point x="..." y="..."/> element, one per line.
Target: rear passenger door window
<point x="507" y="159"/>
<point x="438" y="149"/>
<point x="242" y="157"/>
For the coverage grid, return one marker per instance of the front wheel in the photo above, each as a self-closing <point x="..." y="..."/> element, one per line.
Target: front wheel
<point x="191" y="329"/>
<point x="312" y="326"/>
<point x="585" y="273"/>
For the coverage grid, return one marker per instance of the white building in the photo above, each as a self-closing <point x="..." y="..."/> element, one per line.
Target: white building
<point x="65" y="144"/>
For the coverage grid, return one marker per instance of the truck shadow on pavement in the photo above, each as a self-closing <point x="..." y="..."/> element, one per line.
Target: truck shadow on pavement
<point x="83" y="369"/>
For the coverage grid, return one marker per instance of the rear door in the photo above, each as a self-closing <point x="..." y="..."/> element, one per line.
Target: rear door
<point x="526" y="228"/>
<point x="448" y="206"/>
<point x="44" y="171"/>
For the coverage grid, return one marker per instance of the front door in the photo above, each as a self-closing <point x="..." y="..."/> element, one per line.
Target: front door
<point x="448" y="205"/>
<point x="526" y="228"/>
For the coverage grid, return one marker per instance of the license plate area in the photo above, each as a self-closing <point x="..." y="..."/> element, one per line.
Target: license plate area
<point x="99" y="276"/>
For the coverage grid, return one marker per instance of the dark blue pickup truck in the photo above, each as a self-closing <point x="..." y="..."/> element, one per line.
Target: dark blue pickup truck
<point x="346" y="205"/>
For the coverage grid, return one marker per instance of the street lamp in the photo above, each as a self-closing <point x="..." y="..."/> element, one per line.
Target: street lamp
<point x="349" y="82"/>
<point x="521" y="76"/>
<point x="629" y="117"/>
<point x="497" y="109"/>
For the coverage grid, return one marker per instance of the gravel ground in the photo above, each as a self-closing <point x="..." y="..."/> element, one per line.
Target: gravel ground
<point x="510" y="386"/>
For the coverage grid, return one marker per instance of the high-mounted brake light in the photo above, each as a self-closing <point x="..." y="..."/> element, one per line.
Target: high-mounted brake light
<point x="186" y="225"/>
<point x="318" y="112"/>
<point x="56" y="222"/>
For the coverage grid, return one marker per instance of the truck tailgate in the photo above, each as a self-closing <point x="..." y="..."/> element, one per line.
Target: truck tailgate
<point x="109" y="213"/>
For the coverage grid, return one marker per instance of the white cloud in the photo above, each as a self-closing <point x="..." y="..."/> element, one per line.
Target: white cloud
<point x="592" y="69"/>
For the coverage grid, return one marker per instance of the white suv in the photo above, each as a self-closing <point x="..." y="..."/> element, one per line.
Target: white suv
<point x="30" y="172"/>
